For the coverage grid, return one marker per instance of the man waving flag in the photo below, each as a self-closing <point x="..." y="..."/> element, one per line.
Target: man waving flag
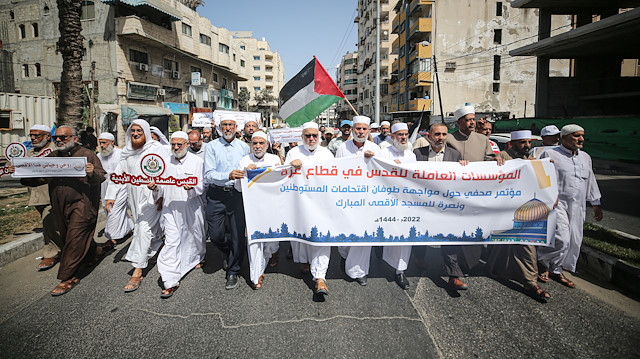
<point x="307" y="94"/>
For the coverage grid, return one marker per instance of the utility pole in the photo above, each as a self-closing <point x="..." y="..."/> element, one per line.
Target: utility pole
<point x="92" y="122"/>
<point x="435" y="68"/>
<point x="377" y="105"/>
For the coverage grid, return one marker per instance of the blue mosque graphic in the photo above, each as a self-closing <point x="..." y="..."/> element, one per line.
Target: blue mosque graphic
<point x="529" y="224"/>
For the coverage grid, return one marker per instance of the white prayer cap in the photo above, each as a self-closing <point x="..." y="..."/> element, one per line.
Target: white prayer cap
<point x="260" y="134"/>
<point x="251" y="120"/>
<point x="374" y="125"/>
<point x="520" y="135"/>
<point x="43" y="128"/>
<point x="180" y="134"/>
<point x="550" y="130"/>
<point x="385" y="123"/>
<point x="399" y="127"/>
<point x="106" y="136"/>
<point x="569" y="129"/>
<point x="361" y="119"/>
<point x="309" y="124"/>
<point x="207" y="126"/>
<point x="464" y="110"/>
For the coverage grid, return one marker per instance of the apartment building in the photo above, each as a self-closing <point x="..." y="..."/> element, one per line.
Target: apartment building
<point x="153" y="59"/>
<point x="264" y="67"/>
<point x="469" y="41"/>
<point x="347" y="81"/>
<point x="366" y="19"/>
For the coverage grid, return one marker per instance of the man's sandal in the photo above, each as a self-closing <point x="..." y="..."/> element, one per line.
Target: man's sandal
<point x="273" y="261"/>
<point x="47" y="263"/>
<point x="167" y="293"/>
<point x="133" y="284"/>
<point x="259" y="285"/>
<point x="560" y="278"/>
<point x="64" y="287"/>
<point x="544" y="276"/>
<point x="538" y="293"/>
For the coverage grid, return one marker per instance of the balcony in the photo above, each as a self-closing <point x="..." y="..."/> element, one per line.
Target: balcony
<point x="395" y="46"/>
<point x="416" y="4"/>
<point x="419" y="104"/>
<point x="395" y="24"/>
<point x="420" y="79"/>
<point x="394" y="88"/>
<point x="146" y="32"/>
<point x="421" y="52"/>
<point x="394" y="107"/>
<point x="421" y="30"/>
<point x="394" y="65"/>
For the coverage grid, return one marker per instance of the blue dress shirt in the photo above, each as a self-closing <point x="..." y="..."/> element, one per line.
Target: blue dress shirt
<point x="222" y="157"/>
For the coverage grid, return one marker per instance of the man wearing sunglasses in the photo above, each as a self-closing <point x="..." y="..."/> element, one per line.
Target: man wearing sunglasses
<point x="75" y="202"/>
<point x="314" y="259"/>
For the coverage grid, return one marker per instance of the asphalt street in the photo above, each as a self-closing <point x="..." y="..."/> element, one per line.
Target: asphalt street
<point x="284" y="319"/>
<point x="620" y="198"/>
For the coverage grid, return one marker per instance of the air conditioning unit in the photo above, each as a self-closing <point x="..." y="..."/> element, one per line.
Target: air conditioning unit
<point x="203" y="81"/>
<point x="143" y="67"/>
<point x="175" y="74"/>
<point x="161" y="92"/>
<point x="450" y="66"/>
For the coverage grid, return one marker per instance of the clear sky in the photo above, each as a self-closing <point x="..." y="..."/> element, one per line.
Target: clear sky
<point x="297" y="29"/>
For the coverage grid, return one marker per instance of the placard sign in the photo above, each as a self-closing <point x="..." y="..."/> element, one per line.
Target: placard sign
<point x="152" y="166"/>
<point x="30" y="167"/>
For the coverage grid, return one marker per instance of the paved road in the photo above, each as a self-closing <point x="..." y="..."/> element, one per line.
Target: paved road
<point x="620" y="198"/>
<point x="492" y="319"/>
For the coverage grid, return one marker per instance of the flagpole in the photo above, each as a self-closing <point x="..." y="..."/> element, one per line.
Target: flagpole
<point x="354" y="110"/>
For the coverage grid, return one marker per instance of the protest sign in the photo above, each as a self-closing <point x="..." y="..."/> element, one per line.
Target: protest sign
<point x="285" y="135"/>
<point x="152" y="166"/>
<point x="29" y="167"/>
<point x="357" y="201"/>
<point x="201" y="119"/>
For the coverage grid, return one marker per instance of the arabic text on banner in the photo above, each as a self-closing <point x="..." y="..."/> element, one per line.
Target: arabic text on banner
<point x="285" y="135"/>
<point x="373" y="201"/>
<point x="29" y="167"/>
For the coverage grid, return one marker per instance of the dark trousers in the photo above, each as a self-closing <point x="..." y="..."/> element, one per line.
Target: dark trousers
<point x="221" y="203"/>
<point x="77" y="224"/>
<point x="450" y="256"/>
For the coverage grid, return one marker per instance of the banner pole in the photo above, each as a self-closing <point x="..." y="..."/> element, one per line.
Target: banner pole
<point x="354" y="110"/>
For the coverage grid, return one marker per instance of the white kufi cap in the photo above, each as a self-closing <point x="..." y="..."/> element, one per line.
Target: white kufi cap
<point x="106" y="136"/>
<point x="569" y="129"/>
<point x="260" y="134"/>
<point x="550" y="130"/>
<point x="180" y="134"/>
<point x="309" y="124"/>
<point x="362" y="119"/>
<point x="462" y="111"/>
<point x="521" y="135"/>
<point x="43" y="128"/>
<point x="399" y="127"/>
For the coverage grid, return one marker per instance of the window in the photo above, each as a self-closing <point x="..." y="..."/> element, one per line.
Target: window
<point x="233" y="86"/>
<point x="5" y="119"/>
<point x="256" y="68"/>
<point x="499" y="8"/>
<point x="348" y="61"/>
<point x="25" y="70"/>
<point x="256" y="89"/>
<point x="497" y="36"/>
<point x="234" y="57"/>
<point x="204" y="39"/>
<point x="170" y="65"/>
<point x="34" y="29"/>
<point x="12" y="16"/>
<point x="224" y="83"/>
<point x="242" y="63"/>
<point x="195" y="69"/>
<point x="496" y="87"/>
<point x="257" y="58"/>
<point x="223" y="48"/>
<point x="138" y="56"/>
<point x="46" y="10"/>
<point x="350" y="81"/>
<point x="88" y="11"/>
<point x="38" y="71"/>
<point x="186" y="29"/>
<point x="23" y="31"/>
<point x="84" y="53"/>
<point x="450" y="66"/>
<point x="242" y="47"/>
<point x="256" y="78"/>
<point x="215" y="77"/>
<point x="496" y="68"/>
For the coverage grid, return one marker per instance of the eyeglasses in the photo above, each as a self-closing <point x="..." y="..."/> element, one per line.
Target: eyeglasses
<point x="310" y="135"/>
<point x="60" y="137"/>
<point x="177" y="145"/>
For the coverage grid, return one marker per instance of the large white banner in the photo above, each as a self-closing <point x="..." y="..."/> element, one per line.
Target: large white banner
<point x="28" y="167"/>
<point x="374" y="201"/>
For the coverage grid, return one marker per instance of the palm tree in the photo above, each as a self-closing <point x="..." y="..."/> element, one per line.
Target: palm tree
<point x="70" y="46"/>
<point x="193" y="4"/>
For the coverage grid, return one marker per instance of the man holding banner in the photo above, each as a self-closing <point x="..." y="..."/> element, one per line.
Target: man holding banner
<point x="221" y="161"/>
<point x="356" y="259"/>
<point x="314" y="259"/>
<point x="147" y="234"/>
<point x="401" y="151"/>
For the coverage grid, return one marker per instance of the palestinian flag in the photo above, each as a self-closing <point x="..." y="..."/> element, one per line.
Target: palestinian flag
<point x="307" y="94"/>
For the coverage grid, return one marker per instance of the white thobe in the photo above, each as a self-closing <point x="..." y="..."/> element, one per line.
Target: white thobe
<point x="147" y="234"/>
<point x="118" y="222"/>
<point x="397" y="256"/>
<point x="576" y="185"/>
<point x="259" y="252"/>
<point x="185" y="242"/>
<point x="316" y="256"/>
<point x="357" y="259"/>
<point x="537" y="152"/>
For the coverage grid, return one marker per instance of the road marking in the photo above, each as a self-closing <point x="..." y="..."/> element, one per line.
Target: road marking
<point x="225" y="326"/>
<point x="419" y="287"/>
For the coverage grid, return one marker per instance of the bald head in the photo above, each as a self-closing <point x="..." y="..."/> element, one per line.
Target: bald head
<point x="195" y="142"/>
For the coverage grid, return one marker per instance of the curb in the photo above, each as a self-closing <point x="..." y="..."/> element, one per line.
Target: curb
<point x="28" y="244"/>
<point x="610" y="269"/>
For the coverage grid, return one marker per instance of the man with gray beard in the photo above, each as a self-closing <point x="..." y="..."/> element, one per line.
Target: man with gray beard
<point x="401" y="151"/>
<point x="184" y="245"/>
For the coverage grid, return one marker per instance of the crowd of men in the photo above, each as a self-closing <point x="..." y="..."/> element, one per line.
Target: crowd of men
<point x="174" y="222"/>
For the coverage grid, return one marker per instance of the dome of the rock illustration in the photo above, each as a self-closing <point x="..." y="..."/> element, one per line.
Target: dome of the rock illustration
<point x="534" y="210"/>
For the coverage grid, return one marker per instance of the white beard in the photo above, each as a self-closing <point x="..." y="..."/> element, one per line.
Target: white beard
<point x="359" y="140"/>
<point x="66" y="147"/>
<point x="400" y="146"/>
<point x="310" y="148"/>
<point x="107" y="151"/>
<point x="260" y="154"/>
<point x="180" y="153"/>
<point x="39" y="145"/>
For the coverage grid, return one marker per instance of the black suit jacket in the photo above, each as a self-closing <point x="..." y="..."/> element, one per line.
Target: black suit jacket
<point x="450" y="154"/>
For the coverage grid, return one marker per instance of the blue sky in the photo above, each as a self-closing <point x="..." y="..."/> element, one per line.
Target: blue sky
<point x="298" y="29"/>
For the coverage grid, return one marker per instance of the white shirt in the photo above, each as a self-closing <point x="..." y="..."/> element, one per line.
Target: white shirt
<point x="436" y="156"/>
<point x="349" y="149"/>
<point x="391" y="152"/>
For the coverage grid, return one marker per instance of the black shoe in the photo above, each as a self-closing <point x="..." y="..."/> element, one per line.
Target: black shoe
<point x="362" y="280"/>
<point x="343" y="264"/>
<point x="232" y="281"/>
<point x="402" y="281"/>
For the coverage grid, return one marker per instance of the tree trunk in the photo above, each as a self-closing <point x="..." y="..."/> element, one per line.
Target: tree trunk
<point x="70" y="46"/>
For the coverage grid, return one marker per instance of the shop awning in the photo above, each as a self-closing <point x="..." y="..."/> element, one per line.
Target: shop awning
<point x="131" y="111"/>
<point x="154" y="4"/>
